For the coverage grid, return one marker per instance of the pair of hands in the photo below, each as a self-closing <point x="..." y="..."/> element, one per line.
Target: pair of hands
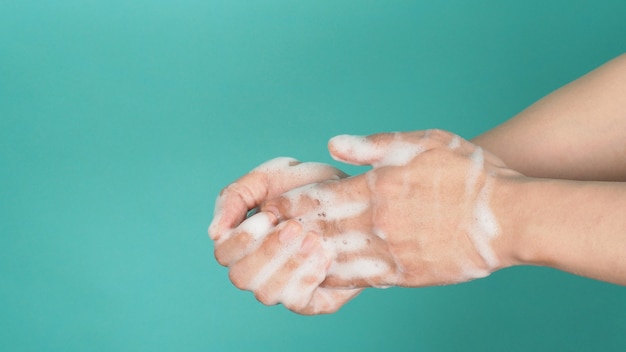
<point x="308" y="236"/>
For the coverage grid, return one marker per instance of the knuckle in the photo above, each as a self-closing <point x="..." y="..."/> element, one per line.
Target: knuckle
<point x="313" y="309"/>
<point x="328" y="310"/>
<point x="265" y="297"/>
<point x="229" y="191"/>
<point x="223" y="191"/>
<point x="220" y="257"/>
<point x="440" y="136"/>
<point x="237" y="278"/>
<point x="239" y="190"/>
<point x="233" y="248"/>
<point x="297" y="307"/>
<point x="384" y="182"/>
<point x="278" y="206"/>
<point x="438" y="160"/>
<point x="308" y="309"/>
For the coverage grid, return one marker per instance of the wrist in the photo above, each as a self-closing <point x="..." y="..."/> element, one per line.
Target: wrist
<point x="510" y="202"/>
<point x="543" y="224"/>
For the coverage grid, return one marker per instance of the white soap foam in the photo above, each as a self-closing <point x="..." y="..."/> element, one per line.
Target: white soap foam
<point x="277" y="261"/>
<point x="343" y="211"/>
<point x="455" y="142"/>
<point x="294" y="170"/>
<point x="290" y="167"/>
<point x="485" y="228"/>
<point x="258" y="225"/>
<point x="217" y="215"/>
<point x="360" y="148"/>
<point x="276" y="164"/>
<point x="296" y="293"/>
<point x="349" y="242"/>
<point x="401" y="153"/>
<point x="477" y="167"/>
<point x="327" y="209"/>
<point x="306" y="169"/>
<point x="478" y="158"/>
<point x="378" y="232"/>
<point x="469" y="272"/>
<point x="362" y="268"/>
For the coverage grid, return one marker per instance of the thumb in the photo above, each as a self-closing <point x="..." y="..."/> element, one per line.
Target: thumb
<point x="382" y="149"/>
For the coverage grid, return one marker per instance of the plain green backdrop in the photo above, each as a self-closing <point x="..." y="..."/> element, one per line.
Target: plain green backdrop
<point x="120" y="121"/>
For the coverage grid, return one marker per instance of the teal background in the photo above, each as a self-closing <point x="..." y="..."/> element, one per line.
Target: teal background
<point x="120" y="121"/>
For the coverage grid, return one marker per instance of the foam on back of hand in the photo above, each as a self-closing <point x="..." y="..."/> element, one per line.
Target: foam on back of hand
<point x="360" y="269"/>
<point x="485" y="228"/>
<point x="296" y="172"/>
<point x="485" y="225"/>
<point x="360" y="150"/>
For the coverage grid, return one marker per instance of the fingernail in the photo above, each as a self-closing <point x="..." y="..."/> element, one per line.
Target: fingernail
<point x="272" y="210"/>
<point x="213" y="229"/>
<point x="309" y="243"/>
<point x="289" y="232"/>
<point x="345" y="144"/>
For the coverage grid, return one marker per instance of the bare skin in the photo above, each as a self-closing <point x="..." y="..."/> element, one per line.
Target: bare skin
<point x="575" y="133"/>
<point x="422" y="222"/>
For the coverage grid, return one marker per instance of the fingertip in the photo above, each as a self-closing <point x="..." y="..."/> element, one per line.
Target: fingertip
<point x="214" y="226"/>
<point x="310" y="242"/>
<point x="335" y="153"/>
<point x="289" y="231"/>
<point x="217" y="228"/>
<point x="213" y="233"/>
<point x="221" y="224"/>
<point x="361" y="150"/>
<point x="345" y="148"/>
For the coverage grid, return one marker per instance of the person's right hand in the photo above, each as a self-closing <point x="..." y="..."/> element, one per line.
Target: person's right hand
<point x="238" y="235"/>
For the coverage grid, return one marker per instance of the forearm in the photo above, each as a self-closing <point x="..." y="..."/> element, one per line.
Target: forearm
<point x="577" y="132"/>
<point x="578" y="227"/>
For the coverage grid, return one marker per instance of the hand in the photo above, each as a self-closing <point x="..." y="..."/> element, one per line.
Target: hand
<point x="236" y="240"/>
<point x="262" y="183"/>
<point x="424" y="215"/>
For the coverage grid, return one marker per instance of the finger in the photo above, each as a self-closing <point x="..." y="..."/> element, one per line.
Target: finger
<point x="246" y="238"/>
<point x="360" y="260"/>
<point x="360" y="150"/>
<point x="383" y="149"/>
<point x="359" y="272"/>
<point x="331" y="201"/>
<point x="264" y="182"/>
<point x="293" y="284"/>
<point x="328" y="300"/>
<point x="253" y="270"/>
